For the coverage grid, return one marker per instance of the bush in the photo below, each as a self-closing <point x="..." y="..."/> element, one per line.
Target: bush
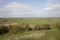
<point x="45" y="27"/>
<point x="14" y="29"/>
<point x="21" y="28"/>
<point x="29" y="27"/>
<point x="55" y="26"/>
<point x="37" y="27"/>
<point x="4" y="30"/>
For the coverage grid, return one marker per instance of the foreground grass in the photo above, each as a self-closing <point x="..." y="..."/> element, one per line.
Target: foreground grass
<point x="48" y="35"/>
<point x="52" y="35"/>
<point x="17" y="36"/>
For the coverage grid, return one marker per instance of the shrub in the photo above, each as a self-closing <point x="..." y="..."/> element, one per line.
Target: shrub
<point x="37" y="27"/>
<point x="14" y="29"/>
<point x="3" y="30"/>
<point x="45" y="27"/>
<point x="55" y="26"/>
<point x="21" y="28"/>
<point x="29" y="27"/>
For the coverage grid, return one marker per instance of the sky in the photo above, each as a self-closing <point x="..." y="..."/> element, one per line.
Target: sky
<point x="29" y="8"/>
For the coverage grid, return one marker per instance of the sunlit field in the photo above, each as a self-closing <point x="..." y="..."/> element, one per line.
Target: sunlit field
<point x="29" y="28"/>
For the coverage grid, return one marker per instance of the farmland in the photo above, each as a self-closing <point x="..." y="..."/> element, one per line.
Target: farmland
<point x="29" y="28"/>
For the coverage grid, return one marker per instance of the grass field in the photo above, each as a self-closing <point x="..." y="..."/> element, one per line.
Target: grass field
<point x="31" y="35"/>
<point x="53" y="34"/>
<point x="34" y="20"/>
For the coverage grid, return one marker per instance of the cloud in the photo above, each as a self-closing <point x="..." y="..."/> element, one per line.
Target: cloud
<point x="53" y="7"/>
<point x="18" y="7"/>
<point x="15" y="9"/>
<point x="52" y="10"/>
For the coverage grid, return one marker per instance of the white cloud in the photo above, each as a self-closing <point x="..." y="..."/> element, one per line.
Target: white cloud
<point x="18" y="7"/>
<point x="53" y="7"/>
<point x="15" y="9"/>
<point x="53" y="10"/>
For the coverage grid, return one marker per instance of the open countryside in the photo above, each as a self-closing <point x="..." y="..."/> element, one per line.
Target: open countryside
<point x="29" y="28"/>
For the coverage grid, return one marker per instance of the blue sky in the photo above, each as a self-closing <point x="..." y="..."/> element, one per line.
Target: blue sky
<point x="29" y="8"/>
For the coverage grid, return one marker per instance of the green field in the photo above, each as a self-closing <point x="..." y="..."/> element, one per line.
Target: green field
<point x="34" y="20"/>
<point x="37" y="35"/>
<point x="52" y="34"/>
